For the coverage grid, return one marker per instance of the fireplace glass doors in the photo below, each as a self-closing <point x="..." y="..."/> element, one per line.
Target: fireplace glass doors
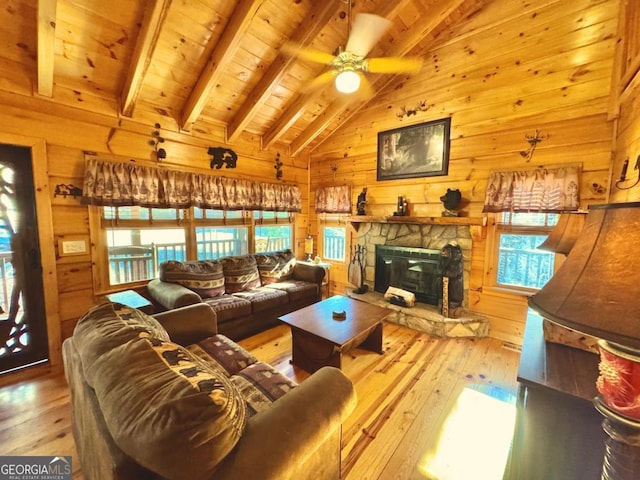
<point x="416" y="270"/>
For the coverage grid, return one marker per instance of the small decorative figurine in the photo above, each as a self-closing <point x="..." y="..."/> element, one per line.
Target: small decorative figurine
<point x="451" y="201"/>
<point x="362" y="201"/>
<point x="220" y="156"/>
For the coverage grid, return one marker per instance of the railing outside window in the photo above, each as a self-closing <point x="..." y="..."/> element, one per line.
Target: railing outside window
<point x="334" y="243"/>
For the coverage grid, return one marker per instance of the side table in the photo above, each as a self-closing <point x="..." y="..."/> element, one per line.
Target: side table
<point x="132" y="299"/>
<point x="326" y="282"/>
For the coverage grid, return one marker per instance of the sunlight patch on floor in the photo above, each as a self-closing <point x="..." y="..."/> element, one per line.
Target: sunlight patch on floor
<point x="475" y="439"/>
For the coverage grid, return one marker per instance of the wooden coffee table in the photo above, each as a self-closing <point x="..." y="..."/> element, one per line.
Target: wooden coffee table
<point x="319" y="340"/>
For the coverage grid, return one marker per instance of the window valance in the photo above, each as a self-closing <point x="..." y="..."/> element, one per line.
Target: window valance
<point x="124" y="184"/>
<point x="333" y="199"/>
<point x="540" y="190"/>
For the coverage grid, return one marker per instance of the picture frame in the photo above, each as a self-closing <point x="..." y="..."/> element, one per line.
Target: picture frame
<point x="413" y="151"/>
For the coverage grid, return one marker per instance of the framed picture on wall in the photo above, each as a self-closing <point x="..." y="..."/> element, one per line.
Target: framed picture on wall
<point x="415" y="151"/>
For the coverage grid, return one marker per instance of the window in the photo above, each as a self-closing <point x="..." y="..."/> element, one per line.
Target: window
<point x="334" y="245"/>
<point x="519" y="264"/>
<point x="133" y="241"/>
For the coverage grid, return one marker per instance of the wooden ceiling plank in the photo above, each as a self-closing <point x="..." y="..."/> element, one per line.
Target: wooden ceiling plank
<point x="315" y="128"/>
<point x="221" y="57"/>
<point x="152" y="24"/>
<point x="46" y="45"/>
<point x="297" y="108"/>
<point x="318" y="17"/>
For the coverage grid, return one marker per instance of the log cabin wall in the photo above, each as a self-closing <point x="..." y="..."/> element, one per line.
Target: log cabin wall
<point x="506" y="71"/>
<point x="69" y="133"/>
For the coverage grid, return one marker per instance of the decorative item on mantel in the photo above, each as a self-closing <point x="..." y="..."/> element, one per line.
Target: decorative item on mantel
<point x="595" y="292"/>
<point x="362" y="201"/>
<point x="403" y="208"/>
<point x="451" y="201"/>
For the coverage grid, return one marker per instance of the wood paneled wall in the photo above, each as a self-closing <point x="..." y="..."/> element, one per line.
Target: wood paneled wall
<point x="505" y="72"/>
<point x="68" y="133"/>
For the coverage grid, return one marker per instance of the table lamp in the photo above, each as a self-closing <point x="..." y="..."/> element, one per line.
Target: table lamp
<point x="596" y="291"/>
<point x="308" y="247"/>
<point x="565" y="233"/>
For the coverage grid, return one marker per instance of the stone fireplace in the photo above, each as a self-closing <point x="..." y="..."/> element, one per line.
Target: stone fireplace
<point x="416" y="248"/>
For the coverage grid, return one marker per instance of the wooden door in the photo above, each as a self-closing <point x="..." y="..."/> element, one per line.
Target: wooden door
<point x="23" y="329"/>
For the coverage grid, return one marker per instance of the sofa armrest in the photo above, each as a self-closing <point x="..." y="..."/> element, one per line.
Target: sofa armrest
<point x="172" y="295"/>
<point x="291" y="430"/>
<point x="309" y="273"/>
<point x="190" y="324"/>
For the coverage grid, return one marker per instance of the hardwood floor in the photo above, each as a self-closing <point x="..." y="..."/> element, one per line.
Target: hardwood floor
<point x="406" y="399"/>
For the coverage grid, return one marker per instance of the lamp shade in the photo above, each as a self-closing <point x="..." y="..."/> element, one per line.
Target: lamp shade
<point x="564" y="234"/>
<point x="596" y="290"/>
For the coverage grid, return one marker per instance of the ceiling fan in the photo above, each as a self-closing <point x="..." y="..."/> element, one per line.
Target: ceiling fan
<point x="351" y="62"/>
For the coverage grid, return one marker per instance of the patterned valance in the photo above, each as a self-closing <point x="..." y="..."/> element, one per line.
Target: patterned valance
<point x="333" y="199"/>
<point x="540" y="190"/>
<point x="123" y="184"/>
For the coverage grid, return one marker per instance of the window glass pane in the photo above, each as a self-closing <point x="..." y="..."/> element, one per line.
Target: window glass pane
<point x="134" y="254"/>
<point x="270" y="215"/>
<point x="334" y="243"/>
<point x="215" y="214"/>
<point x="270" y="238"/>
<point x="521" y="264"/>
<point x="216" y="242"/>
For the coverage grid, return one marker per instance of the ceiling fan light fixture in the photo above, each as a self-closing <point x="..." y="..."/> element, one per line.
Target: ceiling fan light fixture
<point x="347" y="81"/>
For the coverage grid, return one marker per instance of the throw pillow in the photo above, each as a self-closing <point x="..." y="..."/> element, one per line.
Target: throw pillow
<point x="205" y="277"/>
<point x="240" y="273"/>
<point x="276" y="266"/>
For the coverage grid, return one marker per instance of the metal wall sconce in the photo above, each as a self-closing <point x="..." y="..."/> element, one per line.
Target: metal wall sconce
<point x="65" y="189"/>
<point x="623" y="175"/>
<point x="161" y="153"/>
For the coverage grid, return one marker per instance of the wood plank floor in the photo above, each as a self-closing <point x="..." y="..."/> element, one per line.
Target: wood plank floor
<point x="405" y="398"/>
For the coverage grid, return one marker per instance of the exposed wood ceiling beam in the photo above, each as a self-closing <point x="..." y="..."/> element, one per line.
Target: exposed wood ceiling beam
<point x="337" y="107"/>
<point x="225" y="51"/>
<point x="46" y="45"/>
<point x="320" y="14"/>
<point x="152" y="23"/>
<point x="302" y="103"/>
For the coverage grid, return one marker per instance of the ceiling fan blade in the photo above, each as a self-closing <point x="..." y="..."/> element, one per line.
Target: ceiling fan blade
<point x="320" y="81"/>
<point x="393" y="65"/>
<point x="306" y="53"/>
<point x="366" y="31"/>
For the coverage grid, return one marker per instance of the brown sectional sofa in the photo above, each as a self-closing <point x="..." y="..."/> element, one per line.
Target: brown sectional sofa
<point x="248" y="293"/>
<point x="170" y="398"/>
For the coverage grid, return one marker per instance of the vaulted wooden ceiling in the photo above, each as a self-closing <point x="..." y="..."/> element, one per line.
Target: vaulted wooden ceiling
<point x="206" y="61"/>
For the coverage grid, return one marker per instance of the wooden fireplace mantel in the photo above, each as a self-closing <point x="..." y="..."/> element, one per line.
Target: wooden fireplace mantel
<point x="356" y="220"/>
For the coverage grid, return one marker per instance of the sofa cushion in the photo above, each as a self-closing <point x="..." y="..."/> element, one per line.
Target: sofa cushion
<point x="298" y="290"/>
<point x="229" y="307"/>
<point x="222" y="353"/>
<point x="163" y="405"/>
<point x="108" y="325"/>
<point x="275" y="266"/>
<point x="263" y="298"/>
<point x="240" y="273"/>
<point x="261" y="385"/>
<point x="205" y="277"/>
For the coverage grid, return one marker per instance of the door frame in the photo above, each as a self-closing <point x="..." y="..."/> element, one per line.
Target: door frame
<point x="42" y="196"/>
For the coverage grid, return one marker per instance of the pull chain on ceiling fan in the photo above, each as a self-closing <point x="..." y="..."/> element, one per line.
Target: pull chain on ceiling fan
<point x="351" y="62"/>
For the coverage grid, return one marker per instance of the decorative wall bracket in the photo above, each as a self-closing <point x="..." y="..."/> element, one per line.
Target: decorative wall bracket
<point x="533" y="141"/>
<point x="157" y="139"/>
<point x="278" y="166"/>
<point x="407" y="112"/>
<point x="65" y="189"/>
